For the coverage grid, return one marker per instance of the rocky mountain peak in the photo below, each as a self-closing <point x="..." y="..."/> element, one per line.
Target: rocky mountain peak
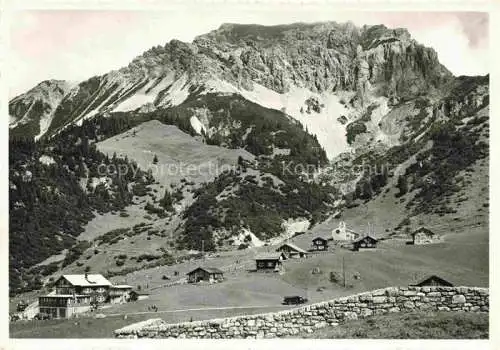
<point x="46" y="89"/>
<point x="321" y="57"/>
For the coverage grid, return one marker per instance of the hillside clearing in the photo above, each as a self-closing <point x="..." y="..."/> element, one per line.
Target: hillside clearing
<point x="179" y="155"/>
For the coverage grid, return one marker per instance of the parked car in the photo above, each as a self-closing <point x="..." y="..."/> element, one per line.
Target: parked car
<point x="294" y="300"/>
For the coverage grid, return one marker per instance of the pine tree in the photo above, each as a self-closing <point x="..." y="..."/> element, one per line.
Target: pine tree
<point x="167" y="201"/>
<point x="402" y="185"/>
<point x="155" y="159"/>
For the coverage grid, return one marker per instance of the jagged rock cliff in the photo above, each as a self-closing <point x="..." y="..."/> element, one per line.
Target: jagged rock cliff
<point x="321" y="57"/>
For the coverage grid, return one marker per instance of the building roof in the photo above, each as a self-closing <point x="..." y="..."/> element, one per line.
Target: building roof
<point x="423" y="229"/>
<point x="121" y="286"/>
<point x="365" y="237"/>
<point x="89" y="280"/>
<point x="207" y="269"/>
<point x="353" y="232"/>
<point x="294" y="247"/>
<point x="269" y="256"/>
<point x="320" y="238"/>
<point x="441" y="281"/>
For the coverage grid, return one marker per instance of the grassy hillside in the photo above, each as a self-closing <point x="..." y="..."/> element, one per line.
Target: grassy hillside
<point x="415" y="325"/>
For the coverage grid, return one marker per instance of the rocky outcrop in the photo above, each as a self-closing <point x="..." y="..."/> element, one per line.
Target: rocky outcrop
<point x="327" y="56"/>
<point x="32" y="111"/>
<point x="320" y="57"/>
<point x="312" y="317"/>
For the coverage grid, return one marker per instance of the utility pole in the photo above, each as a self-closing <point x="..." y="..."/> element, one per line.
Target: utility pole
<point x="343" y="270"/>
<point x="203" y="248"/>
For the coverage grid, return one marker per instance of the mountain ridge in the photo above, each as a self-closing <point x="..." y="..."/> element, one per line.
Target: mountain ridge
<point x="341" y="55"/>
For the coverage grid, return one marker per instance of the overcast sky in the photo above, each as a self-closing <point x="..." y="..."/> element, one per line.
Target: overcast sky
<point x="75" y="45"/>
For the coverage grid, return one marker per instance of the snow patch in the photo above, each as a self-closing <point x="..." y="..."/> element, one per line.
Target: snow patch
<point x="45" y="121"/>
<point x="197" y="125"/>
<point x="254" y="242"/>
<point x="178" y="92"/>
<point x="147" y="94"/>
<point x="291" y="226"/>
<point x="330" y="132"/>
<point x="376" y="117"/>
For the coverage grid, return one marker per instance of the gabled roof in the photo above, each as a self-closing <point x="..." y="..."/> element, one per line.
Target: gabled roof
<point x="438" y="279"/>
<point x="89" y="280"/>
<point x="363" y="238"/>
<point x="293" y="246"/>
<point x="269" y="256"/>
<point x="320" y="238"/>
<point x="207" y="269"/>
<point x="423" y="229"/>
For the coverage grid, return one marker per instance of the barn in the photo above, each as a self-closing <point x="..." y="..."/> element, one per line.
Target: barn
<point x="320" y="243"/>
<point x="269" y="261"/>
<point x="366" y="242"/>
<point x="433" y="281"/>
<point x="424" y="236"/>
<point x="207" y="274"/>
<point x="292" y="251"/>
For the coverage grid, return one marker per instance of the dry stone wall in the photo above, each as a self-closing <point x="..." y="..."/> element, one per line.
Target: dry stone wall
<point x="315" y="316"/>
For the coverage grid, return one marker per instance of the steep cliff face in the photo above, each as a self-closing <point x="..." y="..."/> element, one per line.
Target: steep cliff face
<point x="326" y="57"/>
<point x="321" y="58"/>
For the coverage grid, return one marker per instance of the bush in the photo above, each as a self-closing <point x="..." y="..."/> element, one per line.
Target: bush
<point x="150" y="208"/>
<point x="75" y="252"/>
<point x="242" y="246"/>
<point x="112" y="236"/>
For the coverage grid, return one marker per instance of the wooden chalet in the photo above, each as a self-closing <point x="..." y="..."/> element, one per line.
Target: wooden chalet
<point x="120" y="293"/>
<point x="292" y="251"/>
<point x="75" y="294"/>
<point x="366" y="242"/>
<point x="433" y="281"/>
<point x="424" y="236"/>
<point x="320" y="244"/>
<point x="88" y="284"/>
<point x="269" y="261"/>
<point x="207" y="274"/>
